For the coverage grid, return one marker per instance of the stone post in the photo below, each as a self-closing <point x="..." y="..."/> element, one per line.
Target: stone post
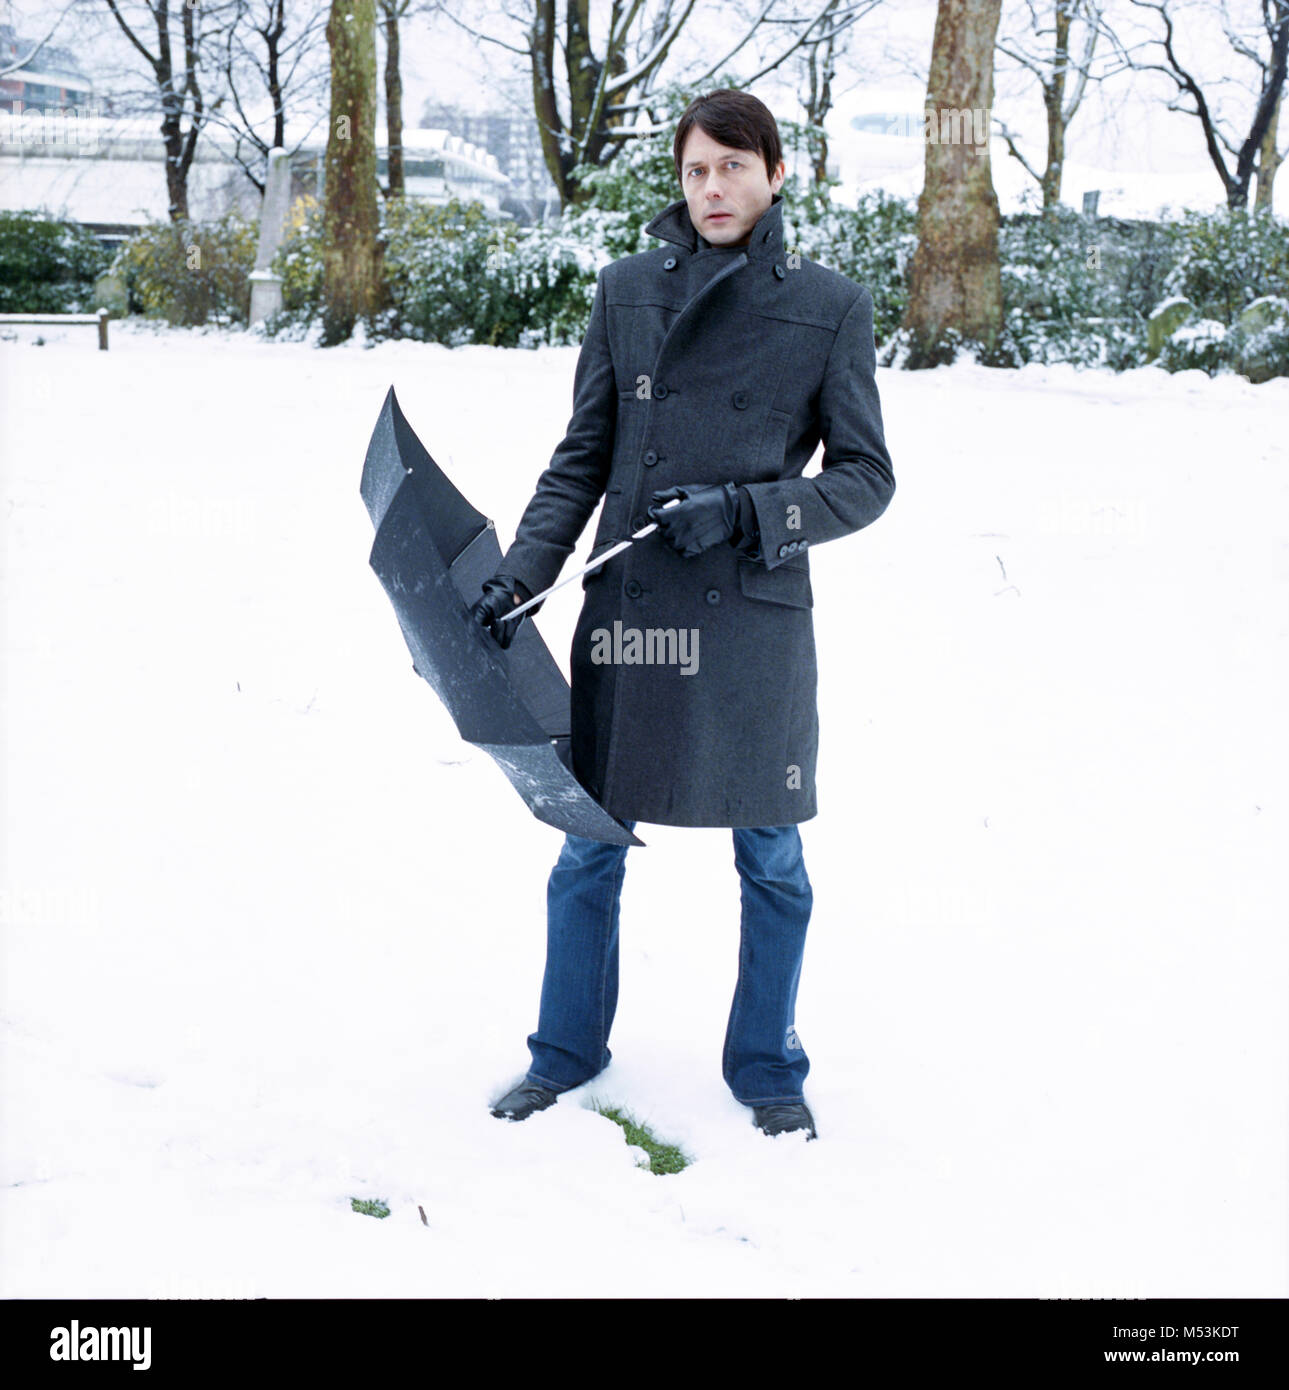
<point x="266" y="287"/>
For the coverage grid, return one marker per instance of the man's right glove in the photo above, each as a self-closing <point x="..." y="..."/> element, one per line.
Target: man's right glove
<point x="498" y="598"/>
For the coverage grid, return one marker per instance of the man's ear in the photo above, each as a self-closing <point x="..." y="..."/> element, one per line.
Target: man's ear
<point x="776" y="182"/>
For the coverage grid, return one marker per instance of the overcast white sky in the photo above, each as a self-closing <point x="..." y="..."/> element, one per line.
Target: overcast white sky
<point x="1123" y="126"/>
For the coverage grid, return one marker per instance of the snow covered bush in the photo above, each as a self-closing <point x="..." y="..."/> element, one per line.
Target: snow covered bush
<point x="1225" y="260"/>
<point x="191" y="273"/>
<point x="1259" y="341"/>
<point x="1233" y="267"/>
<point x="1256" y="345"/>
<point x="1231" y="272"/>
<point x="1078" y="290"/>
<point x="47" y="266"/>
<point x="455" y="276"/>
<point x="553" y="275"/>
<point x="1199" y="345"/>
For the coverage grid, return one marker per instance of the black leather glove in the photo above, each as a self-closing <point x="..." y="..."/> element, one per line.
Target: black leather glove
<point x="498" y="598"/>
<point x="707" y="515"/>
<point x="747" y="534"/>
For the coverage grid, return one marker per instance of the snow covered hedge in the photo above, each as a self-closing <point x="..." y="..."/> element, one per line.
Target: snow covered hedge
<point x="455" y="277"/>
<point x="452" y="275"/>
<point x="191" y="273"/>
<point x="1228" y="296"/>
<point x="47" y="266"/>
<point x="1104" y="292"/>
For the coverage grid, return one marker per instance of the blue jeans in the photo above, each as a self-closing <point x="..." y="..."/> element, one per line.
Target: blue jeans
<point x="763" y="1060"/>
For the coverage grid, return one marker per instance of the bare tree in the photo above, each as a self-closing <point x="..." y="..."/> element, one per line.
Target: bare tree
<point x="826" y="42"/>
<point x="178" y="31"/>
<point x="351" y="237"/>
<point x="582" y="98"/>
<point x="1045" y="50"/>
<point x="955" y="286"/>
<point x="1272" y="30"/>
<point x="272" y="60"/>
<point x="390" y="13"/>
<point x="1268" y="156"/>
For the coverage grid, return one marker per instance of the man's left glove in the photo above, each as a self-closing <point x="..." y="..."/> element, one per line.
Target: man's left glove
<point x="707" y="515"/>
<point x="498" y="598"/>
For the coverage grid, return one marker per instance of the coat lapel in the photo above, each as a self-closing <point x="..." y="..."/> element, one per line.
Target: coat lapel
<point x="673" y="224"/>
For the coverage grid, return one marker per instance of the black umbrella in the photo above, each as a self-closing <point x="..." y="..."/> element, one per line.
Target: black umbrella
<point x="432" y="553"/>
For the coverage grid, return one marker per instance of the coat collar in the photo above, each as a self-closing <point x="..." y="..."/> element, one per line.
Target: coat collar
<point x="673" y="224"/>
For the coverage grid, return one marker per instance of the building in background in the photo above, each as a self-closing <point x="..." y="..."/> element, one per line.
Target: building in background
<point x="109" y="172"/>
<point x="51" y="81"/>
<point x="512" y="138"/>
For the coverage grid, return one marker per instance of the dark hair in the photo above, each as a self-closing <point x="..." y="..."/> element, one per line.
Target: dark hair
<point x="736" y="119"/>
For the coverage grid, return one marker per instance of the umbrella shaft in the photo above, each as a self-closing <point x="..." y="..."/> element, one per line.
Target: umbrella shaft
<point x="599" y="560"/>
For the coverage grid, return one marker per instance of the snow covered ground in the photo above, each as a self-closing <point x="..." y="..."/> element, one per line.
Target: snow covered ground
<point x="256" y="964"/>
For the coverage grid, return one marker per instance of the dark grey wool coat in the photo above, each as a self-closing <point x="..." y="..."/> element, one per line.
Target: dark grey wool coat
<point x="695" y="370"/>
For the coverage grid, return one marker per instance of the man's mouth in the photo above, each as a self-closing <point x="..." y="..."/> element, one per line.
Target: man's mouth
<point x="717" y="216"/>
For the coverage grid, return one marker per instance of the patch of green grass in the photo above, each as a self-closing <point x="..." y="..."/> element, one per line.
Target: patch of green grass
<point x="366" y="1208"/>
<point x="663" y="1158"/>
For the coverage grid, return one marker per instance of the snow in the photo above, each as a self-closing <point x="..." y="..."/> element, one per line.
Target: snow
<point x="1202" y="331"/>
<point x="273" y="936"/>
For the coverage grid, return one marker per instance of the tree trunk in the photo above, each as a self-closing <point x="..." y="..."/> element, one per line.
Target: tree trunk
<point x="396" y="185"/>
<point x="955" y="284"/>
<point x="1054" y="100"/>
<point x="351" y="246"/>
<point x="273" y="81"/>
<point x="176" y="171"/>
<point x="821" y="68"/>
<point x="1269" y="160"/>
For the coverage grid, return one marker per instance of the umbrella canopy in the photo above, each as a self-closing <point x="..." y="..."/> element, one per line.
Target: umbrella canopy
<point x="432" y="553"/>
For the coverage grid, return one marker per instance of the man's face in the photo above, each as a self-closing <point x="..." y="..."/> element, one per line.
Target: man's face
<point x="726" y="189"/>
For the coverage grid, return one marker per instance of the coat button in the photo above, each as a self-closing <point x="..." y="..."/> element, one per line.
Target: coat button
<point x="650" y="459"/>
<point x="783" y="550"/>
<point x="669" y="263"/>
<point x="639" y="522"/>
<point x="779" y="270"/>
<point x="660" y="393"/>
<point x="713" y="596"/>
<point x="740" y="400"/>
<point x="632" y="588"/>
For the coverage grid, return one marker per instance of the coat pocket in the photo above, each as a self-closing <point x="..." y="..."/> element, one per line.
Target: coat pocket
<point x="774" y="446"/>
<point x="597" y="549"/>
<point x="788" y="583"/>
<point x="613" y="516"/>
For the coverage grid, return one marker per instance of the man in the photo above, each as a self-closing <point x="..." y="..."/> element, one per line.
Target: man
<point x="711" y="369"/>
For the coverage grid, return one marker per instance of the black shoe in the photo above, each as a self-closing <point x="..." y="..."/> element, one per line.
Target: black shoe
<point x="782" y="1119"/>
<point x="524" y="1100"/>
